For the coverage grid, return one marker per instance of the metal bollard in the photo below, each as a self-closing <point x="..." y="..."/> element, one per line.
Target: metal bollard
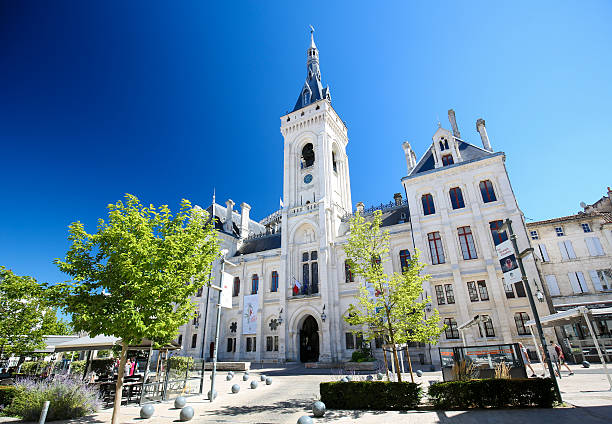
<point x="43" y="413"/>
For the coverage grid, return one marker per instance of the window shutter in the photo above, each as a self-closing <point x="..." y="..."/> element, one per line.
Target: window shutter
<point x="598" y="247"/>
<point x="563" y="250"/>
<point x="553" y="287"/>
<point x="574" y="282"/>
<point x="582" y="281"/>
<point x="544" y="253"/>
<point x="570" y="249"/>
<point x="591" y="246"/>
<point x="596" y="281"/>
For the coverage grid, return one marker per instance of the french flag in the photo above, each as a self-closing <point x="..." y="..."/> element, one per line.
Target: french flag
<point x="296" y="286"/>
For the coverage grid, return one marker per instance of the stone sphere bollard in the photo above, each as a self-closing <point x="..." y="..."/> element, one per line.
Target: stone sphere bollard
<point x="229" y="377"/>
<point x="344" y="380"/>
<point x="186" y="413"/>
<point x="214" y="396"/>
<point x="349" y="378"/>
<point x="245" y="377"/>
<point x="254" y="384"/>
<point x="146" y="412"/>
<point x="262" y="377"/>
<point x="419" y="373"/>
<point x="586" y="364"/>
<point x="305" y="419"/>
<point x="268" y="381"/>
<point x="369" y="378"/>
<point x="379" y="376"/>
<point x="235" y="388"/>
<point x="318" y="409"/>
<point x="180" y="402"/>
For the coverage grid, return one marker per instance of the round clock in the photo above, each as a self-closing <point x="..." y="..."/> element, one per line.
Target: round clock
<point x="307" y="178"/>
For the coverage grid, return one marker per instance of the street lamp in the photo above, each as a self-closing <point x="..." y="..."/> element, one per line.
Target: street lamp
<point x="280" y="317"/>
<point x="507" y="226"/>
<point x="323" y="315"/>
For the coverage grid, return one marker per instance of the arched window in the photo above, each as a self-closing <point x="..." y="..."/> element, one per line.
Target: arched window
<point x="498" y="235"/>
<point x="334" y="165"/>
<point x="456" y="197"/>
<point x="348" y="275"/>
<point x="445" y="144"/>
<point x="180" y="340"/>
<point x="521" y="318"/>
<point x="194" y="341"/>
<point x="404" y="259"/>
<point x="441" y="146"/>
<point x="486" y="189"/>
<point x="236" y="286"/>
<point x="308" y="155"/>
<point x="254" y="284"/>
<point x="428" y="204"/>
<point x="447" y="160"/>
<point x="435" y="248"/>
<point x="274" y="286"/>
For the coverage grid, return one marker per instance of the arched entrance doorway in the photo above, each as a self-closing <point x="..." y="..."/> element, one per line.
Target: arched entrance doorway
<point x="309" y="340"/>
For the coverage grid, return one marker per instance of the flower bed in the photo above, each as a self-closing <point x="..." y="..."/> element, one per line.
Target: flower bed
<point x="374" y="395"/>
<point x="493" y="393"/>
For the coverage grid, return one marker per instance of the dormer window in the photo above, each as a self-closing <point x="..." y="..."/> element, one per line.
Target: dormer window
<point x="447" y="160"/>
<point x="443" y="144"/>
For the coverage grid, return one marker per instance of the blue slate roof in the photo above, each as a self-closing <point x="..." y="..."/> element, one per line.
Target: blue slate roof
<point x="260" y="244"/>
<point x="468" y="151"/>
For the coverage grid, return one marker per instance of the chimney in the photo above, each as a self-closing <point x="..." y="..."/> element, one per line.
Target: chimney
<point x="359" y="206"/>
<point x="453" y="122"/>
<point x="480" y="127"/>
<point x="410" y="156"/>
<point x="398" y="199"/>
<point x="244" y="220"/>
<point x="228" y="226"/>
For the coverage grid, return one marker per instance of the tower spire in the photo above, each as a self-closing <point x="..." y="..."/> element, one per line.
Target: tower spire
<point x="312" y="90"/>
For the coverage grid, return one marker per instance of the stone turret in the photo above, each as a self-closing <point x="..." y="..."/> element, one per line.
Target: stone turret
<point x="244" y="220"/>
<point x="410" y="156"/>
<point x="480" y="127"/>
<point x="453" y="122"/>
<point x="229" y="222"/>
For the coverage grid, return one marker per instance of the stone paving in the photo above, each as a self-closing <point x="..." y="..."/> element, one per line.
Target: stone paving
<point x="294" y="389"/>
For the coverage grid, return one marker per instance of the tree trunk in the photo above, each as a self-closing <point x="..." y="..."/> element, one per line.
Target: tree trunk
<point x="386" y="363"/>
<point x="409" y="363"/>
<point x="392" y="337"/>
<point x="119" y="385"/>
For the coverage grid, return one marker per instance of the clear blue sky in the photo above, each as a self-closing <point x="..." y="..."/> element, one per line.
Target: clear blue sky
<point x="167" y="100"/>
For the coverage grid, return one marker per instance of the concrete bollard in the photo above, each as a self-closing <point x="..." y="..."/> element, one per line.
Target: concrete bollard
<point x="43" y="413"/>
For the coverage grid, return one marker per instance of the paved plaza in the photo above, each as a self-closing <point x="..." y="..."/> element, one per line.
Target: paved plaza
<point x="294" y="389"/>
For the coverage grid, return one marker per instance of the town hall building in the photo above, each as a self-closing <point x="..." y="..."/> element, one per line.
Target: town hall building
<point x="291" y="283"/>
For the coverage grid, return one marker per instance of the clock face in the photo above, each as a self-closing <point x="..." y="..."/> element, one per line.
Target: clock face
<point x="307" y="178"/>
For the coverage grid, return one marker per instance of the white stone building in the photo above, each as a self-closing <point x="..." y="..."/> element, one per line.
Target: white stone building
<point x="575" y="257"/>
<point x="291" y="277"/>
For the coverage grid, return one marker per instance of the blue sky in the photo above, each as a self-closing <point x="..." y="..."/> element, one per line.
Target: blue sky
<point x="166" y="100"/>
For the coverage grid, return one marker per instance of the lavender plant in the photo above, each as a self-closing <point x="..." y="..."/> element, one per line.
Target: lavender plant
<point x="70" y="398"/>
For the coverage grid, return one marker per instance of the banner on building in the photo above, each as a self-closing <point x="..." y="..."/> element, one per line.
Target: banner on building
<point x="249" y="317"/>
<point x="225" y="299"/>
<point x="507" y="260"/>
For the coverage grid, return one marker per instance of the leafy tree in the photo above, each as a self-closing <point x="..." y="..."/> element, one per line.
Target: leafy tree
<point x="21" y="313"/>
<point x="393" y="305"/>
<point x="52" y="325"/>
<point x="134" y="276"/>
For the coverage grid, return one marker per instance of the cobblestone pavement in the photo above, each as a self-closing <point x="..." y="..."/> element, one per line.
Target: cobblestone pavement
<point x="295" y="388"/>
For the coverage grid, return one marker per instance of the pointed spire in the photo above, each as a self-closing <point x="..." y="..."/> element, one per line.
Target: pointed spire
<point x="313" y="89"/>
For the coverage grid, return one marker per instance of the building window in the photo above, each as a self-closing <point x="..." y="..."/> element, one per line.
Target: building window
<point x="553" y="287"/>
<point x="559" y="231"/>
<point x="456" y="197"/>
<point x="473" y="292"/>
<point x="602" y="279"/>
<point x="310" y="273"/>
<point x="586" y="228"/>
<point x="180" y="340"/>
<point x="577" y="282"/>
<point x="487" y="192"/>
<point x="440" y="295"/>
<point x="482" y="290"/>
<point x="435" y="248"/>
<point x="466" y="240"/>
<point x="348" y="275"/>
<point x="236" y="291"/>
<point x="275" y="343"/>
<point x="451" y="330"/>
<point x="200" y="289"/>
<point x="231" y="344"/>
<point x="308" y="156"/>
<point x="450" y="295"/>
<point x="543" y="253"/>
<point x="594" y="246"/>
<point x="509" y="291"/>
<point x="274" y="286"/>
<point x="269" y="343"/>
<point x="498" y="236"/>
<point x="428" y="204"/>
<point x="378" y="342"/>
<point x="194" y="341"/>
<point x="443" y="144"/>
<point x="567" y="250"/>
<point x="521" y="318"/>
<point x="488" y="326"/>
<point x="350" y="340"/>
<point x="520" y="289"/>
<point x="447" y="160"/>
<point x="404" y="256"/>
<point x="251" y="344"/>
<point x="534" y="235"/>
<point x="254" y="284"/>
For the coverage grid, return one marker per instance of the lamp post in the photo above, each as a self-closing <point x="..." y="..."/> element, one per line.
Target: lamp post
<point x="536" y="317"/>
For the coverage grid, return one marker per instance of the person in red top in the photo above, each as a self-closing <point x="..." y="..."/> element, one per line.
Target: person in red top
<point x="561" y="357"/>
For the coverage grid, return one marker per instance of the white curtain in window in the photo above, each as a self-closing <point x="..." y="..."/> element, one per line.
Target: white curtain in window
<point x="553" y="287"/>
<point x="596" y="281"/>
<point x="544" y="253"/>
<point x="594" y="246"/>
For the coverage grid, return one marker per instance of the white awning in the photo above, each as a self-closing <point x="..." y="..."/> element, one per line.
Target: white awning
<point x="569" y="316"/>
<point x="103" y="342"/>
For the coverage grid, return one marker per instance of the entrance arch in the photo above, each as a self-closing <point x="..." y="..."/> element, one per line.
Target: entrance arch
<point x="309" y="340"/>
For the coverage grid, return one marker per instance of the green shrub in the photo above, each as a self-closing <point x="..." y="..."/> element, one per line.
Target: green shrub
<point x="77" y="367"/>
<point x="493" y="393"/>
<point x="374" y="395"/>
<point x="33" y="367"/>
<point x="7" y="393"/>
<point x="69" y="396"/>
<point x="361" y="356"/>
<point x="180" y="364"/>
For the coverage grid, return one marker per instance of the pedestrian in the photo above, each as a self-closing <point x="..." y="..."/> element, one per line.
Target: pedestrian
<point x="127" y="368"/>
<point x="561" y="357"/>
<point x="554" y="358"/>
<point x="526" y="359"/>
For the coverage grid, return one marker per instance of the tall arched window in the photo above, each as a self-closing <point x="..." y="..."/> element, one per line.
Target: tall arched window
<point x="428" y="204"/>
<point x="274" y="286"/>
<point x="348" y="275"/>
<point x="194" y="341"/>
<point x="456" y="197"/>
<point x="254" y="284"/>
<point x="308" y="155"/>
<point x="404" y="259"/>
<point x="236" y="286"/>
<point x="486" y="189"/>
<point x="334" y="164"/>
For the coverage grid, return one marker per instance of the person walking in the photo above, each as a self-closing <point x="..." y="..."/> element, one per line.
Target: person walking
<point x="554" y="359"/>
<point x="526" y="359"/>
<point x="561" y="356"/>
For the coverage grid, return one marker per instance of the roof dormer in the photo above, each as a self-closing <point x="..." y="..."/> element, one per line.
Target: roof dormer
<point x="445" y="148"/>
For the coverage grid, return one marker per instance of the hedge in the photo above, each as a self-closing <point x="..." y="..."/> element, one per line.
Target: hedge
<point x="375" y="395"/>
<point x="493" y="393"/>
<point x="7" y="393"/>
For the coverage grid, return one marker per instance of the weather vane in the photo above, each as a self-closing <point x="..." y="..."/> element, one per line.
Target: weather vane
<point x="311" y="29"/>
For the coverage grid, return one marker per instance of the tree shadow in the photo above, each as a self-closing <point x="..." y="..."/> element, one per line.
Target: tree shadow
<point x="284" y="407"/>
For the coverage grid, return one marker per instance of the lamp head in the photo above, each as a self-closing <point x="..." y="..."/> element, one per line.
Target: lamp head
<point x="224" y="252"/>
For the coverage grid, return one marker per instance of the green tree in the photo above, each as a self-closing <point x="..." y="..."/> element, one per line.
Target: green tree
<point x="391" y="306"/>
<point x="52" y="325"/>
<point x="133" y="278"/>
<point x="21" y="313"/>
